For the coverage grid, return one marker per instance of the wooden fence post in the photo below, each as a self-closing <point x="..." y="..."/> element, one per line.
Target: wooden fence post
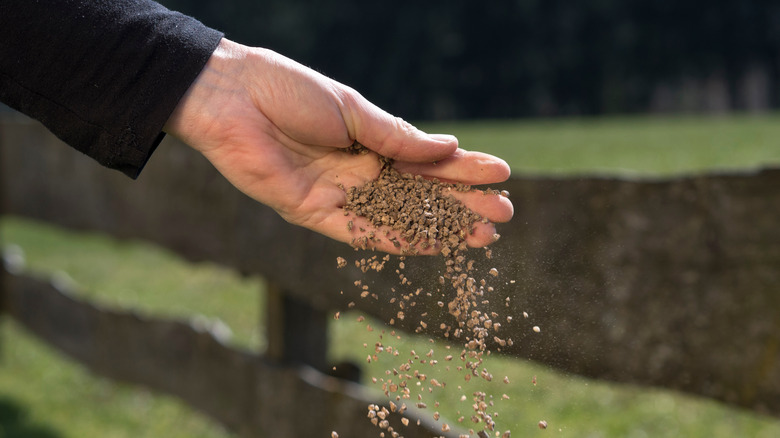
<point x="297" y="332"/>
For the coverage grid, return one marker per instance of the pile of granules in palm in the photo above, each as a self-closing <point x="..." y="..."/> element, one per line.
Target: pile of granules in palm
<point x="415" y="213"/>
<point x="424" y="214"/>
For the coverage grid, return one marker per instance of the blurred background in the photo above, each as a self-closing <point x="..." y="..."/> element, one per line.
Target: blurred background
<point x="437" y="60"/>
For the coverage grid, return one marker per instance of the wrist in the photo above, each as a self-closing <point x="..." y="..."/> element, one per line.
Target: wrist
<point x="202" y="104"/>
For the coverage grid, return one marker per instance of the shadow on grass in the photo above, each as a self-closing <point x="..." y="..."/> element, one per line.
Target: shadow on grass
<point x="14" y="422"/>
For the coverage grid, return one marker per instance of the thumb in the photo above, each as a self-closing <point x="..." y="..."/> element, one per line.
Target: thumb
<point x="391" y="136"/>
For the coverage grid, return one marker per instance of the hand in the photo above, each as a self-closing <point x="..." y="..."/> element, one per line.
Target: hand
<point x="275" y="130"/>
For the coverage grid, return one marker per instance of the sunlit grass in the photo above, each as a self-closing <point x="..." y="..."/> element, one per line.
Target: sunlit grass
<point x="647" y="146"/>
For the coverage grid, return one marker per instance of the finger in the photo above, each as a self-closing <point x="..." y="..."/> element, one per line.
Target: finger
<point x="483" y="235"/>
<point x="360" y="233"/>
<point x="496" y="208"/>
<point x="391" y="136"/>
<point x="468" y="167"/>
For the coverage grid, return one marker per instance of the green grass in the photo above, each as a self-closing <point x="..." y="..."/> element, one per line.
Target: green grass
<point x="42" y="394"/>
<point x="647" y="146"/>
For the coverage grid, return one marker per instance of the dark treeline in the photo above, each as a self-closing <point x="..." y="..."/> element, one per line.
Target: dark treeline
<point x="436" y="59"/>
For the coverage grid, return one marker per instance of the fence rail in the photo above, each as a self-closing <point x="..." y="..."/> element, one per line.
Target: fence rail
<point x="247" y="393"/>
<point x="670" y="283"/>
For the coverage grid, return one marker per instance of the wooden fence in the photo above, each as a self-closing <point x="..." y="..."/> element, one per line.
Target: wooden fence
<point x="670" y="283"/>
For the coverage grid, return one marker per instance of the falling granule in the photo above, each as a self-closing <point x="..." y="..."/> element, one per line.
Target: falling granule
<point x="337" y="315"/>
<point x="525" y="315"/>
<point x="537" y="329"/>
<point x="506" y="434"/>
<point x="341" y="262"/>
<point x="542" y="424"/>
<point x="422" y="214"/>
<point x="334" y="435"/>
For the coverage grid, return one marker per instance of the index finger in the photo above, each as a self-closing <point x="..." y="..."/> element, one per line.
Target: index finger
<point x="467" y="167"/>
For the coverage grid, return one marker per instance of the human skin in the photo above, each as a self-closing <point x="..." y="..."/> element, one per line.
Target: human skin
<point x="277" y="129"/>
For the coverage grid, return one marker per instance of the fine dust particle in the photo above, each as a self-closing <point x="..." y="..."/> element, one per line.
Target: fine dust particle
<point x="542" y="424"/>
<point x="537" y="329"/>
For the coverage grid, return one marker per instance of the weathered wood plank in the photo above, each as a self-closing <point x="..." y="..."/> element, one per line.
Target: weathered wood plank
<point x="245" y="392"/>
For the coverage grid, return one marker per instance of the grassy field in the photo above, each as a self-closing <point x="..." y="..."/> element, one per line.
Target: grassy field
<point x="43" y="395"/>
<point x="644" y="146"/>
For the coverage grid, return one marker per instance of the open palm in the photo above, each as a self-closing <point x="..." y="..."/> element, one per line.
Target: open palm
<point x="277" y="131"/>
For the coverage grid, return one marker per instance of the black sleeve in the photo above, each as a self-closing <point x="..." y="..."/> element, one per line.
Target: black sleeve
<point x="102" y="75"/>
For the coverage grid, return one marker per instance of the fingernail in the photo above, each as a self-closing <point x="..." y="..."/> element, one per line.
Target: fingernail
<point x="444" y="138"/>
